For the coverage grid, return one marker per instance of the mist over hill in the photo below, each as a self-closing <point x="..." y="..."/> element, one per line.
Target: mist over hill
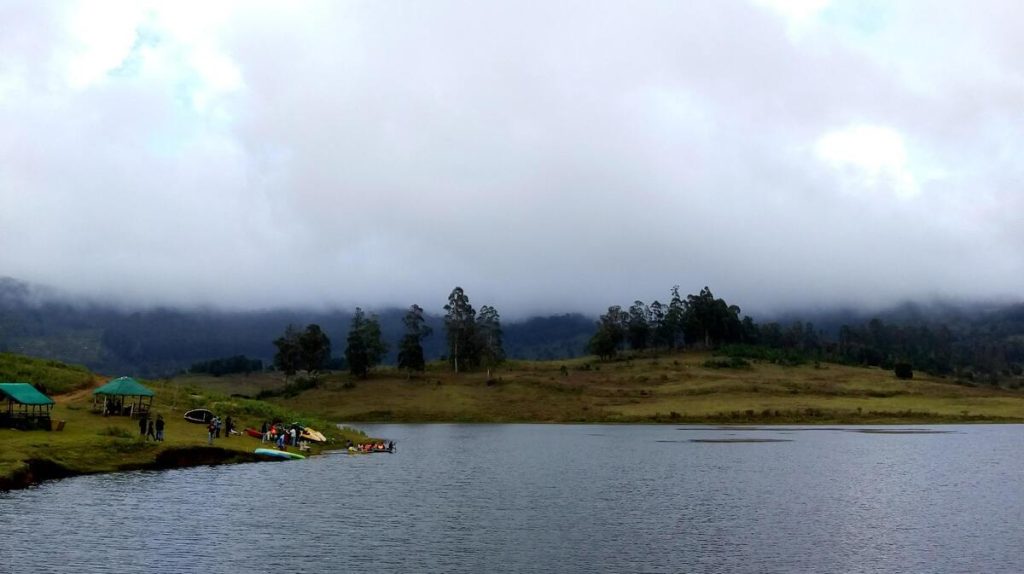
<point x="159" y="341"/>
<point x="40" y="321"/>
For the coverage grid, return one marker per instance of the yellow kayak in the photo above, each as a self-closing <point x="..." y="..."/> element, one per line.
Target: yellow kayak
<point x="312" y="435"/>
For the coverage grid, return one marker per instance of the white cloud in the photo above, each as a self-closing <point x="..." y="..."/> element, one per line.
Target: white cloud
<point x="870" y="158"/>
<point x="100" y="38"/>
<point x="562" y="155"/>
<point x="799" y="15"/>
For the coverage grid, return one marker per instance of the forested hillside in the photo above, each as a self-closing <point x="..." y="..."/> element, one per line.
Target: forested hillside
<point x="973" y="342"/>
<point x="160" y="341"/>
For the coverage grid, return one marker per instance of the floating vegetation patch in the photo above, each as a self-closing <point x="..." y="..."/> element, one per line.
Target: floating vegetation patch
<point x="739" y="440"/>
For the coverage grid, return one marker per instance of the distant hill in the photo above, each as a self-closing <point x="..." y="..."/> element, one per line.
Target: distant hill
<point x="40" y="322"/>
<point x="161" y="341"/>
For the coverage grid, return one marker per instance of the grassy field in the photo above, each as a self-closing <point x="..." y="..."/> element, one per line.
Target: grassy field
<point x="57" y="377"/>
<point x="673" y="388"/>
<point x="92" y="443"/>
<point x="670" y="389"/>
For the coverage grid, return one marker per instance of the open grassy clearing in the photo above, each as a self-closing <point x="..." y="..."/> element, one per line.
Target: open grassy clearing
<point x="672" y="388"/>
<point x="92" y="443"/>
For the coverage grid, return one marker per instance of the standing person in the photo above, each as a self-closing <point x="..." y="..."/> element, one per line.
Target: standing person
<point x="151" y="430"/>
<point x="265" y="432"/>
<point x="216" y="424"/>
<point x="160" y="428"/>
<point x="228" y="425"/>
<point x="211" y="428"/>
<point x="280" y="440"/>
<point x="295" y="437"/>
<point x="142" y="425"/>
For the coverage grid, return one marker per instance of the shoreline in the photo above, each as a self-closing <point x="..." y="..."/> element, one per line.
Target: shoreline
<point x="740" y="419"/>
<point x="35" y="471"/>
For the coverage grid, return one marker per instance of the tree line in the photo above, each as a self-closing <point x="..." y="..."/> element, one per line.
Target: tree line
<point x="696" y="320"/>
<point x="474" y="340"/>
<point x="228" y="366"/>
<point x="989" y="348"/>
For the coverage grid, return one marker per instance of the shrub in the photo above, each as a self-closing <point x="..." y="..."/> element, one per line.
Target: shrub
<point x="727" y="363"/>
<point x="903" y="371"/>
<point x="116" y="432"/>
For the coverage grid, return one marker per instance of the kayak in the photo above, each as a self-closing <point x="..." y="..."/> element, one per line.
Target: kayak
<point x="199" y="416"/>
<point x="274" y="453"/>
<point x="312" y="435"/>
<point x="254" y="433"/>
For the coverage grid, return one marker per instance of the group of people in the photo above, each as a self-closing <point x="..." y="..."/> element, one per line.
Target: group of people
<point x="215" y="425"/>
<point x="280" y="435"/>
<point x="152" y="428"/>
<point x="388" y="446"/>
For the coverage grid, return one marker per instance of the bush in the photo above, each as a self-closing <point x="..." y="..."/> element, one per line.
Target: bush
<point x="117" y="432"/>
<point x="729" y="363"/>
<point x="784" y="357"/>
<point x="903" y="371"/>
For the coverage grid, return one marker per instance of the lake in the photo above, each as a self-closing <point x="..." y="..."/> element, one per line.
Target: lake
<point x="554" y="498"/>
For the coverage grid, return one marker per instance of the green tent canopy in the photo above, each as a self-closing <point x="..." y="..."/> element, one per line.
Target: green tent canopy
<point x="33" y="407"/>
<point x="116" y="391"/>
<point x="124" y="387"/>
<point x="24" y="394"/>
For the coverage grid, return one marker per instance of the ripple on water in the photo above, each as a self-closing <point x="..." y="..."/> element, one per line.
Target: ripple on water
<point x="539" y="498"/>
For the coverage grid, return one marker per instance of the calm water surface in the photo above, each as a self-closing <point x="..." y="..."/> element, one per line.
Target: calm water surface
<point x="553" y="498"/>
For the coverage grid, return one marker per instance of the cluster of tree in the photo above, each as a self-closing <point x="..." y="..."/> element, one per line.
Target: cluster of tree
<point x="474" y="339"/>
<point x="365" y="348"/>
<point x="307" y="350"/>
<point x="410" y="348"/>
<point x="930" y="348"/>
<point x="699" y="320"/>
<point x="228" y="366"/>
<point x="993" y="347"/>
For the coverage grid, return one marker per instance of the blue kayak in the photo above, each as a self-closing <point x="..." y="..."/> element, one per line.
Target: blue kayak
<point x="278" y="454"/>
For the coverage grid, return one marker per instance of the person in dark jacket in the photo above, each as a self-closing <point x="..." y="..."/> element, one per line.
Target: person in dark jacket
<point x="160" y="428"/>
<point x="151" y="431"/>
<point x="228" y="425"/>
<point x="142" y="425"/>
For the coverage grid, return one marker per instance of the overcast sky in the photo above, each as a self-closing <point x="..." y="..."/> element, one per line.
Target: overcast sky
<point x="546" y="156"/>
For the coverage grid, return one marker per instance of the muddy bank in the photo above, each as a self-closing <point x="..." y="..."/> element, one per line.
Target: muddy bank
<point x="36" y="471"/>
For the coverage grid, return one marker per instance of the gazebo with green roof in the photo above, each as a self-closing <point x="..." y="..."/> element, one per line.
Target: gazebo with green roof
<point x="26" y="406"/>
<point x="123" y="396"/>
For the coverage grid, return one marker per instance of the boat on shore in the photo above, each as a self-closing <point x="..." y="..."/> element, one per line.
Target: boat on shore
<point x="312" y="435"/>
<point x="199" y="416"/>
<point x="282" y="454"/>
<point x="306" y="434"/>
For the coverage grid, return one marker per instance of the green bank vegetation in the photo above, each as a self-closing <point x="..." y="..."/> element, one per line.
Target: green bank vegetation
<point x="91" y="443"/>
<point x="686" y="387"/>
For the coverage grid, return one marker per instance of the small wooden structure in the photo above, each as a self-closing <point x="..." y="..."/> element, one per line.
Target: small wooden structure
<point x="27" y="408"/>
<point x="123" y="396"/>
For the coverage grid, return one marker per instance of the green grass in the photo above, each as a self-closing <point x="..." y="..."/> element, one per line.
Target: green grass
<point x="93" y="443"/>
<point x="688" y="387"/>
<point x="57" y="377"/>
